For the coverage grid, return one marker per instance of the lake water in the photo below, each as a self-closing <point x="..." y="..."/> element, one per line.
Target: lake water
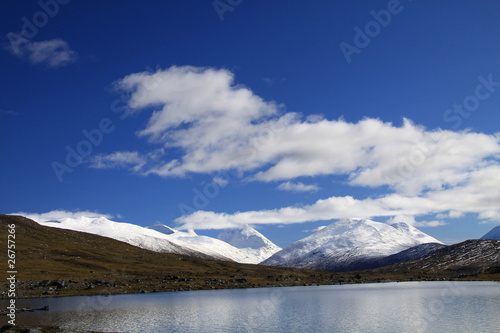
<point x="388" y="307"/>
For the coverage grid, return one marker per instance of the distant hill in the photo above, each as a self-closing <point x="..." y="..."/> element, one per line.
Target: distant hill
<point x="493" y="233"/>
<point x="59" y="262"/>
<point x="161" y="238"/>
<point x="467" y="259"/>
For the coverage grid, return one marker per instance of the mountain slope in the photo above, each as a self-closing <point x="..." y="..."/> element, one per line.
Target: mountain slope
<point x="129" y="233"/>
<point x="350" y="244"/>
<point x="164" y="229"/>
<point x="412" y="253"/>
<point x="493" y="234"/>
<point x="414" y="233"/>
<point x="60" y="262"/>
<point x="217" y="247"/>
<point x="249" y="240"/>
<point x="159" y="238"/>
<point x="468" y="258"/>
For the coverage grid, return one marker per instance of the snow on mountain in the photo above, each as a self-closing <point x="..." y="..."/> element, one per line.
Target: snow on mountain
<point x="414" y="233"/>
<point x="164" y="229"/>
<point x="125" y="232"/>
<point x="244" y="245"/>
<point x="412" y="253"/>
<point x="214" y="247"/>
<point x="493" y="233"/>
<point x="348" y="244"/>
<point x="162" y="238"/>
<point x="249" y="240"/>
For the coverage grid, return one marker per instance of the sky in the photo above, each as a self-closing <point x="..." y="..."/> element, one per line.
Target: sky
<point x="285" y="115"/>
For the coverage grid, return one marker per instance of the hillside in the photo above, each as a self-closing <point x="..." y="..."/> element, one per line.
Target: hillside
<point x="493" y="233"/>
<point x="59" y="262"/>
<point x="161" y="238"/>
<point x="468" y="259"/>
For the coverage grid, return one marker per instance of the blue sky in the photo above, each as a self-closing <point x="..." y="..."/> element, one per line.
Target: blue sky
<point x="280" y="114"/>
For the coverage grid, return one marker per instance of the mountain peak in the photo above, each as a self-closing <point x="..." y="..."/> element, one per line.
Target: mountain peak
<point x="348" y="243"/>
<point x="164" y="229"/>
<point x="493" y="233"/>
<point x="414" y="233"/>
<point x="243" y="237"/>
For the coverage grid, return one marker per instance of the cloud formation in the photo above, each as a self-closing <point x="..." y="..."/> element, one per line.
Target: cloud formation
<point x="297" y="187"/>
<point x="217" y="125"/>
<point x="53" y="53"/>
<point x="119" y="159"/>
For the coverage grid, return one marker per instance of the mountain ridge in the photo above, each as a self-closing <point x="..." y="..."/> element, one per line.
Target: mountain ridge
<point x="349" y="244"/>
<point x="61" y="262"/>
<point x="161" y="238"/>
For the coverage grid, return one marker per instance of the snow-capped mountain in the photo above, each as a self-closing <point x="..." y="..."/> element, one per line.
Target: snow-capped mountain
<point x="493" y="233"/>
<point x="412" y="253"/>
<point x="125" y="232"/>
<point x="249" y="240"/>
<point x="414" y="233"/>
<point x="164" y="229"/>
<point x="162" y="238"/>
<point x="348" y="245"/>
<point x="261" y="248"/>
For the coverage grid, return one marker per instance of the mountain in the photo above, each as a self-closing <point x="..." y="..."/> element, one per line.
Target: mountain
<point x="493" y="234"/>
<point x="128" y="233"/>
<point x="261" y="249"/>
<point x="467" y="259"/>
<point x="60" y="262"/>
<point x="412" y="253"/>
<point x="350" y="244"/>
<point x="249" y="240"/>
<point x="164" y="229"/>
<point x="414" y="233"/>
<point x="161" y="238"/>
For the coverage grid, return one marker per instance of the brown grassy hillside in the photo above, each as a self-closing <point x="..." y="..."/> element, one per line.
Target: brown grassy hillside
<point x="58" y="262"/>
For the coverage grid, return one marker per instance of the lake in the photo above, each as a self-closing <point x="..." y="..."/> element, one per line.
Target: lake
<point x="384" y="307"/>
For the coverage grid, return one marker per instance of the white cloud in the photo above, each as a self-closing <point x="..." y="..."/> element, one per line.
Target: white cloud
<point x="315" y="229"/>
<point x="123" y="159"/>
<point x="479" y="195"/>
<point x="220" y="181"/>
<point x="217" y="125"/>
<point x="411" y="220"/>
<point x="57" y="215"/>
<point x="297" y="187"/>
<point x="53" y="53"/>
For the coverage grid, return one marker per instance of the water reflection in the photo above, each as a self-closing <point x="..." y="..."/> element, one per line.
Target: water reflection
<point x="393" y="307"/>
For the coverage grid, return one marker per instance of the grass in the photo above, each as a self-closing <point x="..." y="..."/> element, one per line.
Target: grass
<point x="57" y="262"/>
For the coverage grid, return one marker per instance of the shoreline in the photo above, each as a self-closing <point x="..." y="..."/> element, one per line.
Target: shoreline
<point x="137" y="290"/>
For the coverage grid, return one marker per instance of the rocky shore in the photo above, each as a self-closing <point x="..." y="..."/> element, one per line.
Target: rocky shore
<point x="40" y="329"/>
